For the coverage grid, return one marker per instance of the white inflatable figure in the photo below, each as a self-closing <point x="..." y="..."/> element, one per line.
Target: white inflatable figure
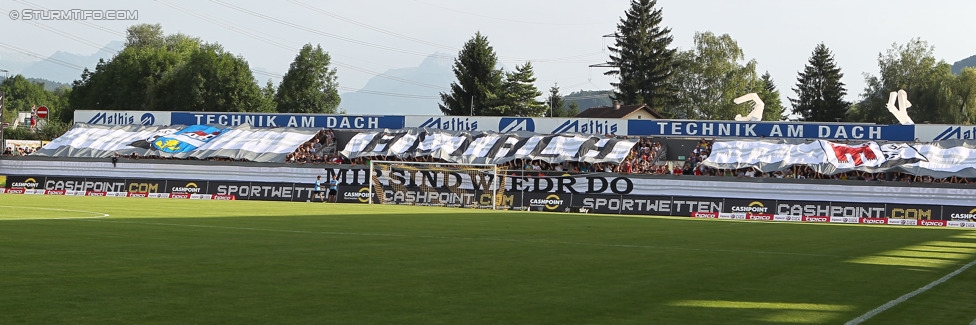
<point x="757" y="107"/>
<point x="900" y="112"/>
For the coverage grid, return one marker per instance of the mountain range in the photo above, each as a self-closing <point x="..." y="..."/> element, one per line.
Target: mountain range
<point x="964" y="63"/>
<point x="61" y="67"/>
<point x="388" y="94"/>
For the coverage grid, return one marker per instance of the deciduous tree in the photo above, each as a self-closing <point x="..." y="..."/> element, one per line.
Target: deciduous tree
<point x="929" y="83"/>
<point x="309" y="86"/>
<point x="965" y="91"/>
<point x="20" y="95"/>
<point x="710" y="77"/>
<point x="210" y="80"/>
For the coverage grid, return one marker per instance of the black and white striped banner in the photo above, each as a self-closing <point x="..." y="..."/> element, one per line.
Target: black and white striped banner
<point x="487" y="148"/>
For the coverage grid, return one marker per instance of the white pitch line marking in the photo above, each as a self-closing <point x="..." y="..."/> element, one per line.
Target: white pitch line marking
<point x="98" y="215"/>
<point x="903" y="298"/>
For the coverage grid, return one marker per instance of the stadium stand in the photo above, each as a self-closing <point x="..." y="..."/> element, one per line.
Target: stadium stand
<point x="648" y="155"/>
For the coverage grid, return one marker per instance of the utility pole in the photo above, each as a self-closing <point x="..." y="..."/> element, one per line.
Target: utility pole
<point x="608" y="64"/>
<point x="472" y="106"/>
<point x="3" y="142"/>
<point x="3" y="96"/>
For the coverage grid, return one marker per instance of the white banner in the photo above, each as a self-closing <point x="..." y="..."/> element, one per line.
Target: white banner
<point x="824" y="156"/>
<point x="756" y="152"/>
<point x="98" y="141"/>
<point x="481" y="148"/>
<point x="239" y="142"/>
<point x="954" y="159"/>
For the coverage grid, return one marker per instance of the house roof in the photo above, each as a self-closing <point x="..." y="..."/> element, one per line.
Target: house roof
<point x="622" y="112"/>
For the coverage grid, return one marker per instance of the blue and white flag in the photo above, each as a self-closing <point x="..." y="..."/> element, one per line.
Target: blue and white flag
<point x="187" y="139"/>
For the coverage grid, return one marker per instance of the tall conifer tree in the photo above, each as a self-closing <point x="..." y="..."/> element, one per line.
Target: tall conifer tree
<point x="519" y="94"/>
<point x="642" y="59"/>
<point x="479" y="84"/>
<point x="770" y="96"/>
<point x="820" y="93"/>
<point x="555" y="103"/>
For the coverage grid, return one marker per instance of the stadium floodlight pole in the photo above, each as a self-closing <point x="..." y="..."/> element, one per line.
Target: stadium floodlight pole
<point x="369" y="178"/>
<point x="3" y="141"/>
<point x="494" y="188"/>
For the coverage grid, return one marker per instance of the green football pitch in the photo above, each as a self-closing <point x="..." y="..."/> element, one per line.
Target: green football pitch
<point x="91" y="260"/>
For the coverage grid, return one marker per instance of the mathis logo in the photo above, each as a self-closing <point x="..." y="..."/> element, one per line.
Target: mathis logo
<point x="512" y="124"/>
<point x="147" y="119"/>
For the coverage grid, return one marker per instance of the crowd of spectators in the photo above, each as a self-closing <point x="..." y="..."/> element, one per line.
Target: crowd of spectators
<point x="19" y="151"/>
<point x="318" y="150"/>
<point x="642" y="158"/>
<point x="692" y="166"/>
<point x="646" y="157"/>
<point x="804" y="172"/>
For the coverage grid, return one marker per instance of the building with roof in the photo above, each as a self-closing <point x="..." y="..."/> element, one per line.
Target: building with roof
<point x="632" y="112"/>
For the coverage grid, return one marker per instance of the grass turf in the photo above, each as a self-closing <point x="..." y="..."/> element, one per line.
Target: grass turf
<point x="209" y="262"/>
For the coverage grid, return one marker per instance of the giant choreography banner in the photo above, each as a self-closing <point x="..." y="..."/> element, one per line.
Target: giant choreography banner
<point x="178" y="141"/>
<point x="940" y="159"/>
<point x="487" y="147"/>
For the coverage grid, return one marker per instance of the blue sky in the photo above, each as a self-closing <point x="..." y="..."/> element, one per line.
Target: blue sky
<point x="561" y="37"/>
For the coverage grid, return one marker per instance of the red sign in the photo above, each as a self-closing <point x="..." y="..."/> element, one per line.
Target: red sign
<point x="705" y="215"/>
<point x="876" y="221"/>
<point x="936" y="223"/>
<point x="815" y="219"/>
<point x="42" y="112"/>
